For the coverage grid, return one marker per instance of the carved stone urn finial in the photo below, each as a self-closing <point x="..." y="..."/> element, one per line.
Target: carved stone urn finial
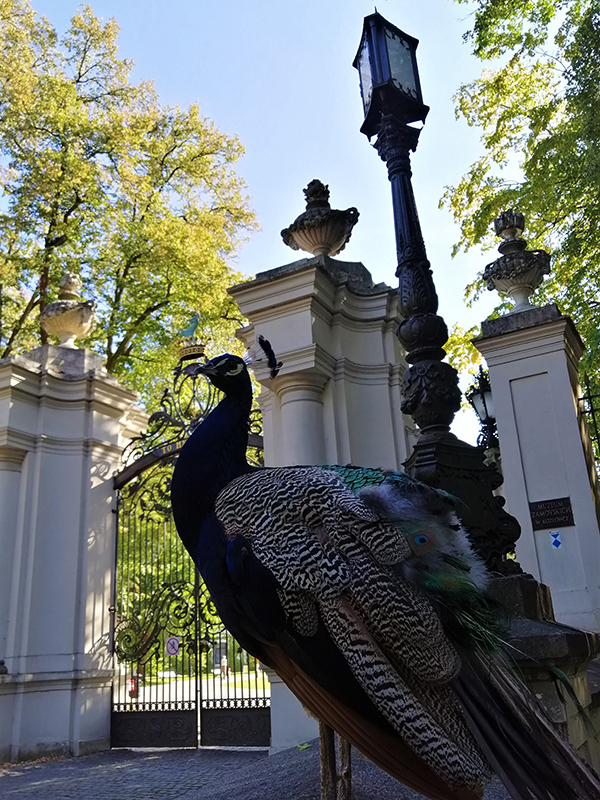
<point x="518" y="272"/>
<point x="320" y="230"/>
<point x="69" y="317"/>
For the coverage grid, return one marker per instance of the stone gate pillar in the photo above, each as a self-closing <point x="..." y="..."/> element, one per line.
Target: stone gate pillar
<point x="549" y="479"/>
<point x="63" y="424"/>
<point x="337" y="397"/>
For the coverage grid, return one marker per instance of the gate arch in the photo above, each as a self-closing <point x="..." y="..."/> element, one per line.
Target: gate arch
<point x="180" y="677"/>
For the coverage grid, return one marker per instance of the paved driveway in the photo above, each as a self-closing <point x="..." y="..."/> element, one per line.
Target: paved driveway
<point x="204" y="774"/>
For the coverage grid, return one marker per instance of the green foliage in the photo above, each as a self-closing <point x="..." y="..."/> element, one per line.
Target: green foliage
<point x="502" y="25"/>
<point x="98" y="178"/>
<point x="463" y="356"/>
<point x="537" y="110"/>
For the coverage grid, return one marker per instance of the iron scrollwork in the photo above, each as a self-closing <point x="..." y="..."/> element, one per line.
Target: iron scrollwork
<point x="172" y="608"/>
<point x="158" y="594"/>
<point x="150" y="492"/>
<point x="182" y="409"/>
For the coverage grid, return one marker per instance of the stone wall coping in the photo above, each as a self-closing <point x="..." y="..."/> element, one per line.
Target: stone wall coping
<point x="312" y="288"/>
<point x="352" y="273"/>
<point x="532" y="342"/>
<point x="520" y="320"/>
<point x="533" y="630"/>
<point x="32" y="380"/>
<point x="44" y="363"/>
<point x="545" y="318"/>
<point x="549" y="641"/>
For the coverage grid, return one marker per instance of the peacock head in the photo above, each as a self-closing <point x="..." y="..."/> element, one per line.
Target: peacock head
<point x="228" y="373"/>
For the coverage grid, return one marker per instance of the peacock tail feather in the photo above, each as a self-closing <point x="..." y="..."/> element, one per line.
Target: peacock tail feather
<point x="335" y="554"/>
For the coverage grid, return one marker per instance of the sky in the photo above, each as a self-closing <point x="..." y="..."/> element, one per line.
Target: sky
<point x="280" y="76"/>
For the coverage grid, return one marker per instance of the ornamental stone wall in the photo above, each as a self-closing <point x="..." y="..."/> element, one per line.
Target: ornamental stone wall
<point x="63" y="424"/>
<point x="337" y="397"/>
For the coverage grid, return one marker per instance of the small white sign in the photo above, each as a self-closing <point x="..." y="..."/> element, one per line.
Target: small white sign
<point x="555" y="539"/>
<point x="173" y="646"/>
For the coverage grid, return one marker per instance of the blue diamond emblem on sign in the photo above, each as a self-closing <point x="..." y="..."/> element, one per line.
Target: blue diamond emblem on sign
<point x="555" y="539"/>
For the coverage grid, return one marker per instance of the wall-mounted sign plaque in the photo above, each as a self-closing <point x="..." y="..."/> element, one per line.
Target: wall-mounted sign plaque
<point x="555" y="513"/>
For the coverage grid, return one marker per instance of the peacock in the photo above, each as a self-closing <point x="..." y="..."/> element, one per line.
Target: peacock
<point x="360" y="589"/>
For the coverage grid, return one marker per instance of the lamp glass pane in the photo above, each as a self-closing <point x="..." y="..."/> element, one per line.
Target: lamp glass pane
<point x="401" y="64"/>
<point x="364" y="71"/>
<point x="489" y="404"/>
<point x="476" y="401"/>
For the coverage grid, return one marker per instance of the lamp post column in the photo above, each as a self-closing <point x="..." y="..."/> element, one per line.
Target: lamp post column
<point x="431" y="393"/>
<point x="392" y="99"/>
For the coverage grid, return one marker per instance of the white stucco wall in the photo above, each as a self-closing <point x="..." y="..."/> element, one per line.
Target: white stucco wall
<point x="533" y="373"/>
<point x="62" y="429"/>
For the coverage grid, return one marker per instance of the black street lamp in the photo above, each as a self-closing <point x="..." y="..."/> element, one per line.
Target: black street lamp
<point x="392" y="100"/>
<point x="479" y="395"/>
<point x="389" y="79"/>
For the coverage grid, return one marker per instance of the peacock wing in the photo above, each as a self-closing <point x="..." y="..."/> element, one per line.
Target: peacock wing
<point x="329" y="550"/>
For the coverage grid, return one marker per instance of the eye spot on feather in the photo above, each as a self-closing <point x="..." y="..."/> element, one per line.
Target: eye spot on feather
<point x="422" y="543"/>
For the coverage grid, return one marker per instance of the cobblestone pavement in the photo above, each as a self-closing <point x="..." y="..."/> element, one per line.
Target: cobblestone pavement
<point x="204" y="774"/>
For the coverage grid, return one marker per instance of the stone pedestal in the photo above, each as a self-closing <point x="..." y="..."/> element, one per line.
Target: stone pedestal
<point x="532" y="358"/>
<point x="290" y="724"/>
<point x="541" y="645"/>
<point x="337" y="396"/>
<point x="63" y="425"/>
<point x="458" y="468"/>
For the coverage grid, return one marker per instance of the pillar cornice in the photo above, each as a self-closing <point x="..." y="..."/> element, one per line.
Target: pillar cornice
<point x="48" y="384"/>
<point x="11" y="458"/>
<point x="532" y="341"/>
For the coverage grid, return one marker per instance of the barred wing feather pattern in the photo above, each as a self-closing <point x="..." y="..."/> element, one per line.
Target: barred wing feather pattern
<point x="331" y="551"/>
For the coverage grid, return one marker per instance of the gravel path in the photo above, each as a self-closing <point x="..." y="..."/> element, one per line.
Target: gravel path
<point x="204" y="774"/>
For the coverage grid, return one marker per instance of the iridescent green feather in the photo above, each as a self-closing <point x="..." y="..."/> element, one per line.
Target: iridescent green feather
<point x="356" y="478"/>
<point x="470" y="617"/>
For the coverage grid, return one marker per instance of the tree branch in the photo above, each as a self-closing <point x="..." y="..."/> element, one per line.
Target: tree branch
<point x="33" y="302"/>
<point x="127" y="340"/>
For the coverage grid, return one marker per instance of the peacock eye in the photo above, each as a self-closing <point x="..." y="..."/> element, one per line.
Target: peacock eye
<point x="421" y="539"/>
<point x="235" y="368"/>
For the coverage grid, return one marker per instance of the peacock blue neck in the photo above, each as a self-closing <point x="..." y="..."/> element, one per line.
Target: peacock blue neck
<point x="213" y="456"/>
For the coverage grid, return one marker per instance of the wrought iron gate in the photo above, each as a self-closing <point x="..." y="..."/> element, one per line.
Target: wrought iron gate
<point x="180" y="677"/>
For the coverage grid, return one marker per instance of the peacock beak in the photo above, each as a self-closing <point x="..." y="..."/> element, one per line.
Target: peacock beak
<point x="208" y="369"/>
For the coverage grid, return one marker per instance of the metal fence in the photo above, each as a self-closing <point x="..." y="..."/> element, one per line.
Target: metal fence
<point x="589" y="408"/>
<point x="180" y="677"/>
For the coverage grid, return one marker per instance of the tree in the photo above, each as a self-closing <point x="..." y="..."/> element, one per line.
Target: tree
<point x="98" y="178"/>
<point x="537" y="109"/>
